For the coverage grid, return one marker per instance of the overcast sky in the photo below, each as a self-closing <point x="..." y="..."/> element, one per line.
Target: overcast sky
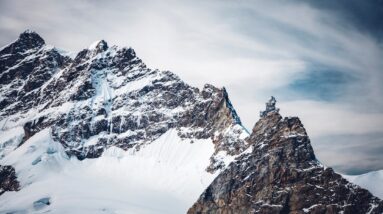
<point x="323" y="60"/>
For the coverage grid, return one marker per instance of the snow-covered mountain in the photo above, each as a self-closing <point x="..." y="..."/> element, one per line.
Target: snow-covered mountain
<point x="100" y="132"/>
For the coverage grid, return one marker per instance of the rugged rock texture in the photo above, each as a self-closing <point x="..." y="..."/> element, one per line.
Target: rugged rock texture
<point x="25" y="66"/>
<point x="8" y="180"/>
<point x="282" y="175"/>
<point x="106" y="96"/>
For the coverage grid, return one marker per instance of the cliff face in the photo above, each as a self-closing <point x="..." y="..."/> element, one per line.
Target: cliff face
<point x="282" y="175"/>
<point x="104" y="115"/>
<point x="107" y="94"/>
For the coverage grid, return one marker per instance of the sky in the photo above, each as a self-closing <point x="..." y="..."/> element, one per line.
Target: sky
<point x="322" y="60"/>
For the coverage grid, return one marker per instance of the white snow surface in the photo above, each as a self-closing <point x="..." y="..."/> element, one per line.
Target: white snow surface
<point x="165" y="176"/>
<point x="9" y="139"/>
<point x="372" y="181"/>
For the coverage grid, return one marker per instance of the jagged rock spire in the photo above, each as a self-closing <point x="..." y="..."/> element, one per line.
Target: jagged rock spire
<point x="99" y="46"/>
<point x="27" y="40"/>
<point x="270" y="107"/>
<point x="282" y="175"/>
<point x="229" y="105"/>
<point x="32" y="38"/>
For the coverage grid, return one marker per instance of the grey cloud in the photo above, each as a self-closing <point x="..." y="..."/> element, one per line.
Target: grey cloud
<point x="351" y="154"/>
<point x="364" y="15"/>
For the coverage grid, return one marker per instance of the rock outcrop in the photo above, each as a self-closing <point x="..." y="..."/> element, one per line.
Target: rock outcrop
<point x="8" y="179"/>
<point x="282" y="175"/>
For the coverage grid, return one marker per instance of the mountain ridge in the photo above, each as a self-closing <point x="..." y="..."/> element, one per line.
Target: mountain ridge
<point x="63" y="119"/>
<point x="88" y="67"/>
<point x="282" y="175"/>
<point x="130" y="139"/>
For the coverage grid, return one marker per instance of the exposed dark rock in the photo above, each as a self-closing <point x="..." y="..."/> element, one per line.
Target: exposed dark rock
<point x="101" y="46"/>
<point x="231" y="108"/>
<point x="32" y="127"/>
<point x="8" y="179"/>
<point x="109" y="91"/>
<point x="27" y="40"/>
<point x="25" y="66"/>
<point x="282" y="175"/>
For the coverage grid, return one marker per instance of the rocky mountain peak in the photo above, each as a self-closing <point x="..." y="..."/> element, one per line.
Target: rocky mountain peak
<point x="27" y="40"/>
<point x="99" y="46"/>
<point x="31" y="36"/>
<point x="107" y="103"/>
<point x="229" y="105"/>
<point x="113" y="99"/>
<point x="282" y="175"/>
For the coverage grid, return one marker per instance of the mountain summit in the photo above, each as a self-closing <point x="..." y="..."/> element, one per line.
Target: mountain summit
<point x="282" y="175"/>
<point x="103" y="133"/>
<point x="103" y="115"/>
<point x="26" y="41"/>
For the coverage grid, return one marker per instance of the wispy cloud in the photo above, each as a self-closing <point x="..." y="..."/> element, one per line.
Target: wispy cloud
<point x="321" y="66"/>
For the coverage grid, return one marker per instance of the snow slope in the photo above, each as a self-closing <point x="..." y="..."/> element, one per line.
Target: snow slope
<point x="372" y="181"/>
<point x="166" y="176"/>
<point x="103" y="133"/>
